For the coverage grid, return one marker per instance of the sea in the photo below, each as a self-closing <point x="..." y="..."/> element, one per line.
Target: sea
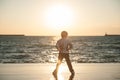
<point x="41" y="49"/>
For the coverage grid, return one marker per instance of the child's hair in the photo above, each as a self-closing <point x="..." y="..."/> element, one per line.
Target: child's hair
<point x="64" y="34"/>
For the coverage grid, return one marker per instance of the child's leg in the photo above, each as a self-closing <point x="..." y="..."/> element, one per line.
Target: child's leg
<point x="69" y="63"/>
<point x="60" y="58"/>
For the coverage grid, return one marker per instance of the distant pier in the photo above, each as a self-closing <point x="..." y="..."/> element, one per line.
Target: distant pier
<point x="12" y="35"/>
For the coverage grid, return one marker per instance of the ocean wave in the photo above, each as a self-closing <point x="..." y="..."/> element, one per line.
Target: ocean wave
<point x="42" y="49"/>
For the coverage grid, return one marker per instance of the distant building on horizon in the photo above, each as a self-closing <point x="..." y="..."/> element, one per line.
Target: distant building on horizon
<point x="111" y="34"/>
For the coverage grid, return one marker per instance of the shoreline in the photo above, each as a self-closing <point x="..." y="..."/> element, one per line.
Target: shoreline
<point x="64" y="63"/>
<point x="43" y="71"/>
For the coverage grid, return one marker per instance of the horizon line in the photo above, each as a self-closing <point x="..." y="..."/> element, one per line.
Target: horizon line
<point x="50" y="35"/>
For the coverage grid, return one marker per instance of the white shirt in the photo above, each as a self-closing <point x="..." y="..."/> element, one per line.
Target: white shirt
<point x="64" y="45"/>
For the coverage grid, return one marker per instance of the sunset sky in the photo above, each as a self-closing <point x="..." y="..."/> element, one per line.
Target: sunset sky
<point x="50" y="17"/>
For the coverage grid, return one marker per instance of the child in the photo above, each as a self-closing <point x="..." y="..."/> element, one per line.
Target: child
<point x="63" y="46"/>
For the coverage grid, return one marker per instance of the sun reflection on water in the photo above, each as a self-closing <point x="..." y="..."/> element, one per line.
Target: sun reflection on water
<point x="62" y="69"/>
<point x="62" y="73"/>
<point x="60" y="77"/>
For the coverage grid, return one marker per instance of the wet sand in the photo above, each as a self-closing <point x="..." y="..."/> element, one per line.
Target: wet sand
<point x="83" y="71"/>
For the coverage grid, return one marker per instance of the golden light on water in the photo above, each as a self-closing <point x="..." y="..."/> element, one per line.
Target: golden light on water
<point x="55" y="38"/>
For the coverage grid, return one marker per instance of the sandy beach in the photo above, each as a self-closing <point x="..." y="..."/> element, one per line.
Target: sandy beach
<point x="83" y="71"/>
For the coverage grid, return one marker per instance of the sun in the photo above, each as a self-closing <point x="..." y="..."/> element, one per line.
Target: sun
<point x="58" y="16"/>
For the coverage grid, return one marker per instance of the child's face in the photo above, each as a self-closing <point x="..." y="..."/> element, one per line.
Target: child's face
<point x="64" y="34"/>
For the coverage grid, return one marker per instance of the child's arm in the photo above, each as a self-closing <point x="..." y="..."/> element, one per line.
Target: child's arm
<point x="57" y="46"/>
<point x="70" y="46"/>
